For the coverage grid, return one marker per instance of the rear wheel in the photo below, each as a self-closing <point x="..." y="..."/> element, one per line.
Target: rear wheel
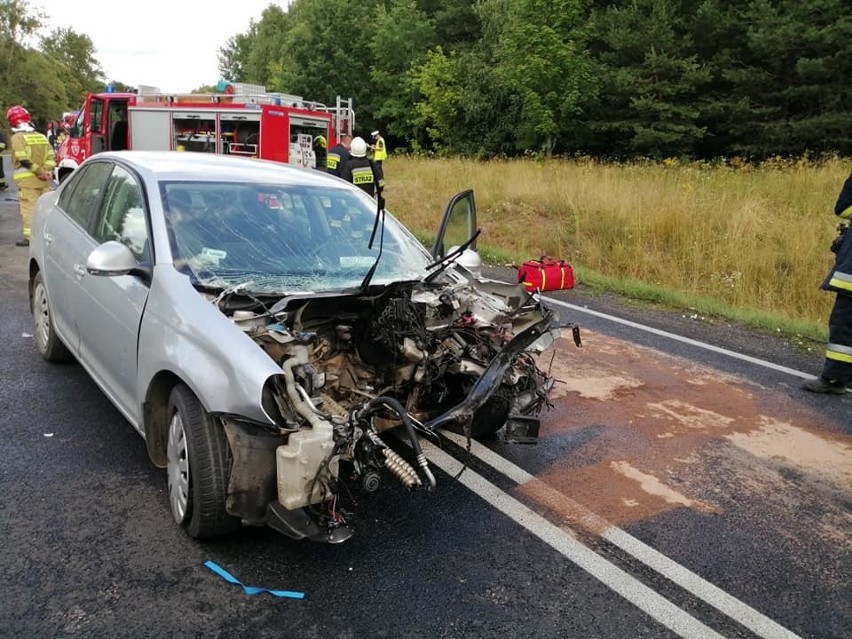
<point x="46" y="340"/>
<point x="199" y="465"/>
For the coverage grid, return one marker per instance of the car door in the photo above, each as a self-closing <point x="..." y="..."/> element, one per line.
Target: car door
<point x="458" y="224"/>
<point x="109" y="308"/>
<point x="65" y="239"/>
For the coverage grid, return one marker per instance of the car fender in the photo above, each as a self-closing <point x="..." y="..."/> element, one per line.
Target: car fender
<point x="185" y="334"/>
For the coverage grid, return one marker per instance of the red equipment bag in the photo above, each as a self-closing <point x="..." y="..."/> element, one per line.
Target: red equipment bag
<point x="546" y="274"/>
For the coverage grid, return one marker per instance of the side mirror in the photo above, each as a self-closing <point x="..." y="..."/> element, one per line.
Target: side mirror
<point x="111" y="259"/>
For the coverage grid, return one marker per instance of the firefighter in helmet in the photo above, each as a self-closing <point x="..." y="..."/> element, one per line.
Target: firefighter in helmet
<point x="320" y="145"/>
<point x="362" y="171"/>
<point x="837" y="369"/>
<point x="3" y="184"/>
<point x="33" y="160"/>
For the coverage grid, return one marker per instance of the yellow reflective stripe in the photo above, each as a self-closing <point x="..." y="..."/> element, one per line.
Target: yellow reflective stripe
<point x="841" y="280"/>
<point x="362" y="175"/>
<point x="839" y="353"/>
<point x="22" y="174"/>
<point x="22" y="155"/>
<point x="332" y="160"/>
<point x="847" y="213"/>
<point x="543" y="279"/>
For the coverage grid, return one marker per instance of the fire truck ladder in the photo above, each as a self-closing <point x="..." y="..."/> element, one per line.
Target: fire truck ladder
<point x="343" y="117"/>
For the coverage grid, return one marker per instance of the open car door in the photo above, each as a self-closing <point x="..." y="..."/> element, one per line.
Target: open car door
<point x="458" y="225"/>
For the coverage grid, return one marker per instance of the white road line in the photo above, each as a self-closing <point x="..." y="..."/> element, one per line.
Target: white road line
<point x="637" y="593"/>
<point x="679" y="338"/>
<point x="740" y="612"/>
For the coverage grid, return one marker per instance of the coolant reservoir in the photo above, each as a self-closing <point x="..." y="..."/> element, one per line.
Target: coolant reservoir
<point x="302" y="470"/>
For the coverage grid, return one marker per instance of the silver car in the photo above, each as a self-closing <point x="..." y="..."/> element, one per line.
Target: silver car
<point x="262" y="326"/>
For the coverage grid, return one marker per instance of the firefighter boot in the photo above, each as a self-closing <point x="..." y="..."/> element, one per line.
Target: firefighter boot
<point x="822" y="385"/>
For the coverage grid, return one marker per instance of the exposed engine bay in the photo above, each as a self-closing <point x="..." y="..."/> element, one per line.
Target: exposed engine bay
<point x="414" y="356"/>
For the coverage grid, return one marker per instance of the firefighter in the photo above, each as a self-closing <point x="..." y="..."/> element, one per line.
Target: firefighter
<point x="380" y="152"/>
<point x="338" y="155"/>
<point x="837" y="369"/>
<point x="362" y="171"/>
<point x="33" y="160"/>
<point x="3" y="184"/>
<point x="320" y="146"/>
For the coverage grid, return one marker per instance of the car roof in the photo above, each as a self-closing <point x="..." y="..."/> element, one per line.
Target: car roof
<point x="187" y="165"/>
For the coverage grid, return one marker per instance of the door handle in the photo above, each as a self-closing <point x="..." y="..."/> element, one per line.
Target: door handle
<point x="80" y="270"/>
<point x="47" y="237"/>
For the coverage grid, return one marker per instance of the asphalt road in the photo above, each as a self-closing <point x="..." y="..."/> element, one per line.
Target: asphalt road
<point x="676" y="491"/>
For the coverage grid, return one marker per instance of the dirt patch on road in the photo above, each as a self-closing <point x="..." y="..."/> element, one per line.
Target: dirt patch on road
<point x="665" y="428"/>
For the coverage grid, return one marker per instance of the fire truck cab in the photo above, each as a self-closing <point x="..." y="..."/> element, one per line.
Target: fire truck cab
<point x="239" y="119"/>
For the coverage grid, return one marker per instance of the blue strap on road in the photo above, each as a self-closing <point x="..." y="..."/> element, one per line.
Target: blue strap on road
<point x="251" y="590"/>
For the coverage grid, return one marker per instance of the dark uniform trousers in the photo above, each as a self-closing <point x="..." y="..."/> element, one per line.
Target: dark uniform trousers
<point x="838" y="354"/>
<point x="838" y="358"/>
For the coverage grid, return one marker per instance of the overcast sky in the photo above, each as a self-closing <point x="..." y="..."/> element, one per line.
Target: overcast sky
<point x="170" y="44"/>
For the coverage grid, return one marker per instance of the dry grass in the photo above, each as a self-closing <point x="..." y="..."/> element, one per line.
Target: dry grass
<point x="750" y="238"/>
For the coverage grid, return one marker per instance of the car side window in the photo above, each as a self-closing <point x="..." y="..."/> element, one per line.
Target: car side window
<point x="122" y="214"/>
<point x="85" y="194"/>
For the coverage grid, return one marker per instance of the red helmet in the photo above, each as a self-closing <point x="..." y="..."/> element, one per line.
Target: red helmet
<point x="18" y="115"/>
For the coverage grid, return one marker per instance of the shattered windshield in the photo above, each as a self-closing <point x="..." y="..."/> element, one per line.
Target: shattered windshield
<point x="280" y="239"/>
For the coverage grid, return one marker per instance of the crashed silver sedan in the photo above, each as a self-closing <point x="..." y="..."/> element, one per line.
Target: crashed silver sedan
<point x="266" y="327"/>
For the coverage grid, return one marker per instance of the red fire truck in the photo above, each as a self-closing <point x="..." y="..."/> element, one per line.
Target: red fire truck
<point x="239" y="119"/>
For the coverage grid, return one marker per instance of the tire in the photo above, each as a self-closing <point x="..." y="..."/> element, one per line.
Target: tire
<point x="46" y="340"/>
<point x="198" y="467"/>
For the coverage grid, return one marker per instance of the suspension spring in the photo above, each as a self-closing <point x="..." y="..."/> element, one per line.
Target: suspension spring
<point x="400" y="469"/>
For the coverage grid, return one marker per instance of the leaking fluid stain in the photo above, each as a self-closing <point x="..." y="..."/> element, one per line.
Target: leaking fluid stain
<point x="664" y="424"/>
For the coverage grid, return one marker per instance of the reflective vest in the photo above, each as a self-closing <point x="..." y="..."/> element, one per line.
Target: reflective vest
<point x="33" y="147"/>
<point x="380" y="152"/>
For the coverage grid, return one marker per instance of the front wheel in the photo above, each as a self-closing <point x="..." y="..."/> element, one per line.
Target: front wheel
<point x="199" y="466"/>
<point x="46" y="340"/>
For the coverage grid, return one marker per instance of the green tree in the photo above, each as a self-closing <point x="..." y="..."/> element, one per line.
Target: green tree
<point x="401" y="38"/>
<point x="653" y="83"/>
<point x="539" y="59"/>
<point x="456" y="22"/>
<point x="795" y="84"/>
<point x="43" y="91"/>
<point x="266" y="46"/>
<point x="465" y="107"/>
<point x="18" y="21"/>
<point x="29" y="76"/>
<point x="234" y="55"/>
<point x="74" y="57"/>
<point x="328" y="54"/>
